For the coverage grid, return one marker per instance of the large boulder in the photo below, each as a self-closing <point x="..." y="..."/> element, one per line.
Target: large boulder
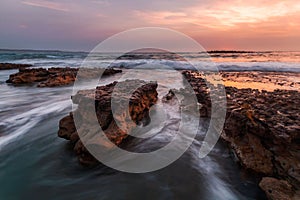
<point x="97" y="102"/>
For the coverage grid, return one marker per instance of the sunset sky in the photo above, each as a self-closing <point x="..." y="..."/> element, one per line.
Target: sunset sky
<point x="215" y="24"/>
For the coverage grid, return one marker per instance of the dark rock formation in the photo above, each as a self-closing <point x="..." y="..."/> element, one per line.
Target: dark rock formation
<point x="115" y="128"/>
<point x="6" y="66"/>
<point x="262" y="128"/>
<point x="55" y="76"/>
<point x="59" y="77"/>
<point x="277" y="189"/>
<point x="26" y="76"/>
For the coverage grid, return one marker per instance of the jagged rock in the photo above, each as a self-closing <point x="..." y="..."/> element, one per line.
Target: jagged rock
<point x="261" y="127"/>
<point x="276" y="189"/>
<point x="55" y="76"/>
<point x="66" y="127"/>
<point x="25" y="76"/>
<point x="99" y="101"/>
<point x="59" y="77"/>
<point x="6" y="66"/>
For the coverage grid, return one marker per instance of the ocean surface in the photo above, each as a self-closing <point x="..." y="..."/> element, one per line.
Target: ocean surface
<point x="36" y="164"/>
<point x="223" y="60"/>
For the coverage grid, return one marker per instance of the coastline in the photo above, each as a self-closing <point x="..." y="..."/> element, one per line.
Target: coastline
<point x="280" y="83"/>
<point x="261" y="126"/>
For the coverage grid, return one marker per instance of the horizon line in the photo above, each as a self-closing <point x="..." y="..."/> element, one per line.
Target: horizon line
<point x="208" y="51"/>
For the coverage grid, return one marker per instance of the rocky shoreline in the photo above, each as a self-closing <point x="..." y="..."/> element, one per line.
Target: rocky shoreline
<point x="262" y="128"/>
<point x="100" y="100"/>
<point x="262" y="80"/>
<point x="55" y="76"/>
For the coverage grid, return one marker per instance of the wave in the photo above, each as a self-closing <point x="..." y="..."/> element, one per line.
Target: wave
<point x="224" y="60"/>
<point x="25" y="121"/>
<point x="205" y="66"/>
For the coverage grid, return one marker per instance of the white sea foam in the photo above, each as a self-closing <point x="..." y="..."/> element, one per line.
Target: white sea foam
<point x="25" y="121"/>
<point x="222" y="66"/>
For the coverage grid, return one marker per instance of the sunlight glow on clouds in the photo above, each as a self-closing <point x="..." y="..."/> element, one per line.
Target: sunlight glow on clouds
<point x="216" y="24"/>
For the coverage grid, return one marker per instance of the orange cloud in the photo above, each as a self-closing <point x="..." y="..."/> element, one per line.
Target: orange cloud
<point x="232" y="20"/>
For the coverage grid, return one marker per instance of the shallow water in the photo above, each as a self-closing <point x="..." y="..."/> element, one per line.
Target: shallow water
<point x="36" y="164"/>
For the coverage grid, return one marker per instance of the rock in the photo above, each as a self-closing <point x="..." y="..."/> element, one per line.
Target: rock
<point x="66" y="127"/>
<point x="111" y="71"/>
<point x="261" y="127"/>
<point x="252" y="154"/>
<point x="276" y="189"/>
<point x="270" y="79"/>
<point x="59" y="77"/>
<point x="6" y="66"/>
<point x="55" y="76"/>
<point x="99" y="101"/>
<point x="26" y="76"/>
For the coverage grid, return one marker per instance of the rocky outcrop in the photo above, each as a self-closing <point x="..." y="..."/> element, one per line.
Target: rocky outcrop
<point x="6" y="66"/>
<point x="115" y="127"/>
<point x="59" y="77"/>
<point x="277" y="80"/>
<point x="262" y="128"/>
<point x="277" y="189"/>
<point x="26" y="76"/>
<point x="55" y="76"/>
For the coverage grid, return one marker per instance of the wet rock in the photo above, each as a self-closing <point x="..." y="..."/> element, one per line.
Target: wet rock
<point x="66" y="127"/>
<point x="111" y="71"/>
<point x="56" y="76"/>
<point x="6" y="66"/>
<point x="261" y="127"/>
<point x="283" y="80"/>
<point x="95" y="105"/>
<point x="251" y="153"/>
<point x="59" y="77"/>
<point x="26" y="76"/>
<point x="276" y="189"/>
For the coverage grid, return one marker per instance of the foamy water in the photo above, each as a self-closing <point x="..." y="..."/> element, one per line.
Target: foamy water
<point x="35" y="163"/>
<point x="227" y="61"/>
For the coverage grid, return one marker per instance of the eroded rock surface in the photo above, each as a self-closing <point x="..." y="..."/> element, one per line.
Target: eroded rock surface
<point x="55" y="76"/>
<point x="262" y="128"/>
<point x="272" y="80"/>
<point x="277" y="189"/>
<point x="97" y="102"/>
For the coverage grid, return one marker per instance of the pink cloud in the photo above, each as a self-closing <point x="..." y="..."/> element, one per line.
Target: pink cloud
<point x="46" y="4"/>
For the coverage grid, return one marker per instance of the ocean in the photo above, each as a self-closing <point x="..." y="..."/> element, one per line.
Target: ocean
<point x="36" y="164"/>
<point x="223" y="60"/>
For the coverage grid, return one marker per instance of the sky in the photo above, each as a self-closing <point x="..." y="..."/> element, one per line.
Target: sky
<point x="215" y="24"/>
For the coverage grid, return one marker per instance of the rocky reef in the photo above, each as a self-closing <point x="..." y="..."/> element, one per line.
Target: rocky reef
<point x="6" y="66"/>
<point x="280" y="80"/>
<point x="262" y="128"/>
<point x="115" y="125"/>
<point x="55" y="76"/>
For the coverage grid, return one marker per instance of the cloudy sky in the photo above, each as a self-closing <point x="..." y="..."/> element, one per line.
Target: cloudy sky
<point x="215" y="24"/>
